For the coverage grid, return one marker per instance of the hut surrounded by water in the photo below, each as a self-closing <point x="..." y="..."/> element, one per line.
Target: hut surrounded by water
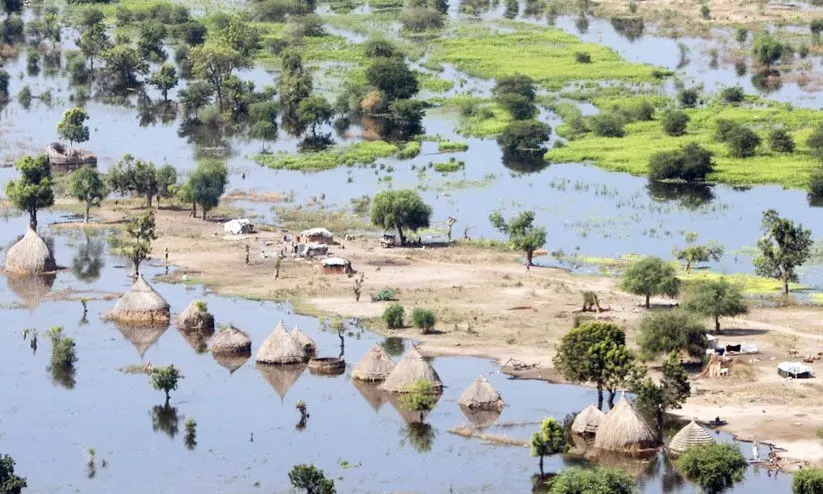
<point x="623" y="429"/>
<point x="30" y="256"/>
<point x="64" y="159"/>
<point x="196" y="317"/>
<point x="141" y="305"/>
<point x="587" y="421"/>
<point x="480" y="395"/>
<point x="305" y="341"/>
<point x="692" y="434"/>
<point x="374" y="366"/>
<point x="231" y="342"/>
<point x="411" y="368"/>
<point x="280" y="348"/>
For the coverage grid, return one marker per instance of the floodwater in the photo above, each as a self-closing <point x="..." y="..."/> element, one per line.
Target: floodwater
<point x="247" y="438"/>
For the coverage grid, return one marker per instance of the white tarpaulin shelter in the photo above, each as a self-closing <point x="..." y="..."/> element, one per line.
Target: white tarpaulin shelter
<point x="317" y="235"/>
<point x="238" y="226"/>
<point x="794" y="369"/>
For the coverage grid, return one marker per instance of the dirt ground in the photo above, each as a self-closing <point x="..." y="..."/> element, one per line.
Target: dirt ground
<point x="488" y="304"/>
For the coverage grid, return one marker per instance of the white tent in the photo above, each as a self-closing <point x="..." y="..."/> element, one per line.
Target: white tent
<point x="238" y="226"/>
<point x="794" y="369"/>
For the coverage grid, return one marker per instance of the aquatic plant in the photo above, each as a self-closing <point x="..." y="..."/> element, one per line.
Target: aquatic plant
<point x="165" y="379"/>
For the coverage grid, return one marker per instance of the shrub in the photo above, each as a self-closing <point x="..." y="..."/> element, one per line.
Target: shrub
<point x="582" y="57"/>
<point x="607" y="125"/>
<point x="742" y="142"/>
<point x="803" y="50"/>
<point x="808" y="481"/>
<point x="637" y="111"/>
<point x="385" y="295"/>
<point x="421" y="397"/>
<point x="732" y="94"/>
<point x="691" y="163"/>
<point x="781" y="141"/>
<point x="715" y="467"/>
<point x="419" y="19"/>
<point x="815" y="194"/>
<point x="520" y="107"/>
<point x="393" y="316"/>
<point x="741" y="34"/>
<point x="724" y="128"/>
<point x="815" y="142"/>
<point x="705" y="13"/>
<point x="675" y="122"/>
<point x="524" y="135"/>
<point x="688" y="97"/>
<point x="62" y="349"/>
<point x="423" y="319"/>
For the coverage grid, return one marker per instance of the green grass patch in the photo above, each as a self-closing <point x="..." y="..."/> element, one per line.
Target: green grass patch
<point x="433" y="83"/>
<point x="450" y="166"/>
<point x="486" y="119"/>
<point x="751" y="284"/>
<point x="410" y="150"/>
<point x="452" y="147"/>
<point x="361" y="153"/>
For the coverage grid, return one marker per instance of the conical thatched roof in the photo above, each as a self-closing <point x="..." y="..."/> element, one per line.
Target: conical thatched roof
<point x="31" y="288"/>
<point x="143" y="337"/>
<point x="588" y="420"/>
<point x="280" y="348"/>
<point x="30" y="255"/>
<point x="480" y="417"/>
<point x="690" y="435"/>
<point x="408" y="415"/>
<point x="411" y="368"/>
<point x="231" y="342"/>
<point x="306" y="343"/>
<point x="140" y="305"/>
<point x="196" y="318"/>
<point x="281" y="377"/>
<point x="622" y="429"/>
<point x="231" y="362"/>
<point x="371" y="393"/>
<point x="374" y="366"/>
<point x="480" y="395"/>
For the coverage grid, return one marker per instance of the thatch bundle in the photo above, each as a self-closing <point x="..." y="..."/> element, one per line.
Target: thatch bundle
<point x="371" y="393"/>
<point x="306" y="343"/>
<point x="196" y="318"/>
<point x="280" y="348"/>
<point x="140" y="305"/>
<point x="141" y="336"/>
<point x="31" y="288"/>
<point x="690" y="435"/>
<point x="411" y="368"/>
<point x="231" y="342"/>
<point x="30" y="255"/>
<point x="281" y="377"/>
<point x="622" y="429"/>
<point x="374" y="366"/>
<point x="587" y="421"/>
<point x="480" y="395"/>
<point x="480" y="418"/>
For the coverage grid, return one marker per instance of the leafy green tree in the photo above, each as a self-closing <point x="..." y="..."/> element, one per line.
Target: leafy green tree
<point x="693" y="254"/>
<point x="815" y="142"/>
<point x="741" y="35"/>
<point x="393" y="316"/>
<point x="715" y="299"/>
<point x="295" y="82"/>
<point x="123" y="66"/>
<point x="420" y="19"/>
<point x="607" y="125"/>
<point x="654" y="400"/>
<point x="34" y="189"/>
<point x="595" y="352"/>
<point x="520" y="84"/>
<point x="311" y="479"/>
<point x="185" y="194"/>
<point x="690" y="163"/>
<point x="194" y="97"/>
<point x="9" y="482"/>
<point x="671" y="331"/>
<point x="137" y="245"/>
<point x="400" y="209"/>
<point x="132" y="176"/>
<point x="165" y="379"/>
<point x="164" y="79"/>
<point x="675" y="122"/>
<point x="781" y="141"/>
<point x="380" y="48"/>
<point x="767" y="50"/>
<point x="150" y="41"/>
<point x="393" y="78"/>
<point x="520" y="107"/>
<point x="208" y="182"/>
<point x="88" y="187"/>
<point x="166" y="180"/>
<point x="688" y="97"/>
<point x="73" y="125"/>
<point x="421" y="397"/>
<point x="592" y="481"/>
<point x="12" y="7"/>
<point x="715" y="467"/>
<point x="93" y="42"/>
<point x="732" y="94"/>
<point x="815" y="193"/>
<point x="548" y="441"/>
<point x="742" y="142"/>
<point x="214" y="63"/>
<point x="423" y="319"/>
<point x="524" y="135"/>
<point x="650" y="276"/>
<point x="783" y="247"/>
<point x="523" y="235"/>
<point x="314" y="111"/>
<point x="806" y="481"/>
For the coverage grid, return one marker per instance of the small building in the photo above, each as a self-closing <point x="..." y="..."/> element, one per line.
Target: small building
<point x="336" y="265"/>
<point x="794" y="370"/>
<point x="587" y="421"/>
<point x="411" y="368"/>
<point x="239" y="226"/>
<point x="692" y="434"/>
<point x="30" y="255"/>
<point x="65" y="159"/>
<point x="317" y="236"/>
<point x="622" y="429"/>
<point x="480" y="395"/>
<point x="374" y="366"/>
<point x="280" y="348"/>
<point x="141" y="305"/>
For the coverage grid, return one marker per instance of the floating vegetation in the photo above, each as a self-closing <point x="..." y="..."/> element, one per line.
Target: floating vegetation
<point x="449" y="166"/>
<point x="452" y="147"/>
<point x="361" y="153"/>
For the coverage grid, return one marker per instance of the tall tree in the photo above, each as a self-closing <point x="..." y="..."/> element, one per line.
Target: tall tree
<point x="133" y="176"/>
<point x="93" y="42"/>
<point x="9" y="482"/>
<point x="400" y="209"/>
<point x="650" y="276"/>
<point x="767" y="50"/>
<point x="295" y="83"/>
<point x="523" y="235"/>
<point x="549" y="440"/>
<point x="393" y="78"/>
<point x="314" y="111"/>
<point x="34" y="189"/>
<point x="122" y="66"/>
<point x="166" y="182"/>
<point x="164" y="79"/>
<point x="783" y="247"/>
<point x="715" y="299"/>
<point x="72" y="126"/>
<point x="214" y="63"/>
<point x="87" y="186"/>
<point x="654" y="400"/>
<point x="208" y="182"/>
<point x="137" y="245"/>
<point x="311" y="480"/>
<point x="671" y="331"/>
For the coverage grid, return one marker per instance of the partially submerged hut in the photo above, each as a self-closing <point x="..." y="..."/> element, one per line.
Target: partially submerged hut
<point x="30" y="256"/>
<point x="336" y="265"/>
<point x="622" y="429"/>
<point x="31" y="289"/>
<point x="281" y="377"/>
<point x="280" y="349"/>
<point x="411" y="368"/>
<point x="141" y="305"/>
<point x="371" y="392"/>
<point x="231" y="342"/>
<point x="692" y="434"/>
<point x="62" y="158"/>
<point x="142" y="336"/>
<point x="587" y="421"/>
<point x="196" y="318"/>
<point x="374" y="366"/>
<point x="317" y="236"/>
<point x="305" y="341"/>
<point x="480" y="395"/>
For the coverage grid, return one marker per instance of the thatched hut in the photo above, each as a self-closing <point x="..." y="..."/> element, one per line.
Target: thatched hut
<point x="480" y="418"/>
<point x="30" y="255"/>
<point x="196" y="317"/>
<point x="371" y="393"/>
<point x="374" y="366"/>
<point x="690" y="435"/>
<point x="587" y="421"/>
<point x="411" y="368"/>
<point x="62" y="158"/>
<point x="141" y="305"/>
<point x="480" y="395"/>
<point x="622" y="429"/>
<point x="31" y="289"/>
<point x="231" y="342"/>
<point x="305" y="341"/>
<point x="280" y="348"/>
<point x="281" y="377"/>
<point x="141" y="336"/>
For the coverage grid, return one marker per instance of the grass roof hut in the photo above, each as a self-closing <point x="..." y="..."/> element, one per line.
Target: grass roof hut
<point x="30" y="255"/>
<point x="371" y="392"/>
<point x="196" y="317"/>
<point x="622" y="429"/>
<point x="281" y="377"/>
<point x="587" y="421"/>
<point x="480" y="395"/>
<point x="142" y="337"/>
<point x="692" y="434"/>
<point x="411" y="368"/>
<point x="305" y="341"/>
<point x="231" y="342"/>
<point x="374" y="366"/>
<point x="280" y="348"/>
<point x="31" y="289"/>
<point x="141" y="305"/>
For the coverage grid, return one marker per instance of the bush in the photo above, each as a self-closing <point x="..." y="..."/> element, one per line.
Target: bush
<point x="607" y="125"/>
<point x="724" y="128"/>
<point x="636" y="111"/>
<point x="582" y="57"/>
<point x="675" y="122"/>
<point x="742" y="142"/>
<point x="524" y="135"/>
<point x="688" y="97"/>
<point x="815" y="142"/>
<point x="421" y="397"/>
<point x="815" y="194"/>
<point x="781" y="141"/>
<point x="385" y="295"/>
<point x="690" y="163"/>
<point x="393" y="316"/>
<point x="520" y="107"/>
<point x="732" y="94"/>
<point x="419" y="19"/>
<point x="715" y="467"/>
<point x="808" y="481"/>
<point x="423" y="319"/>
<point x="803" y="50"/>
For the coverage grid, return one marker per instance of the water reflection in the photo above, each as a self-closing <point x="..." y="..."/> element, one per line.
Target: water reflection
<point x="31" y="289"/>
<point x="281" y="377"/>
<point x="419" y="436"/>
<point x="164" y="419"/>
<point x="393" y="346"/>
<point x="688" y="195"/>
<point x="88" y="260"/>
<point x="524" y="161"/>
<point x="142" y="337"/>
